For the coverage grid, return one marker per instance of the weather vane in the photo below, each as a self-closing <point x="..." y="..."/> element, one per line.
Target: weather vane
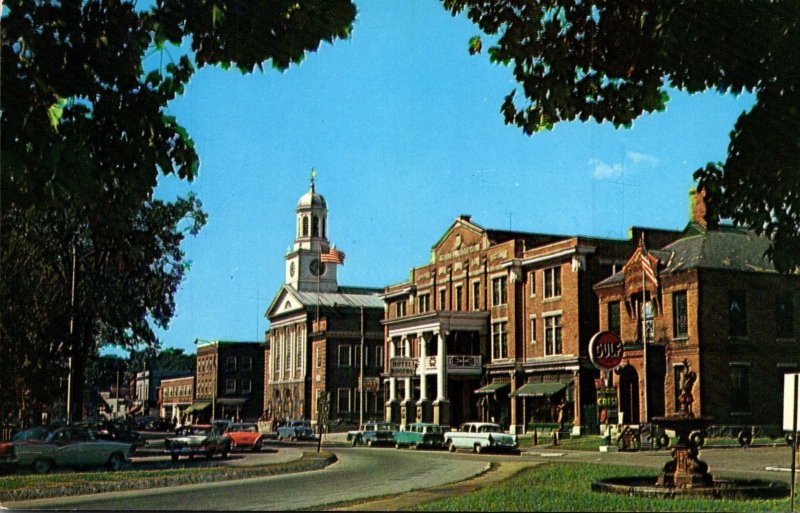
<point x="313" y="175"/>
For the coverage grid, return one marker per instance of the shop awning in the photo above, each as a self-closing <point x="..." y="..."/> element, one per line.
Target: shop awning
<point x="198" y="406"/>
<point x="538" y="389"/>
<point x="492" y="388"/>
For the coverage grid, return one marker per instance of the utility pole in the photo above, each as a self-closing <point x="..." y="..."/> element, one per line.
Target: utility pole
<point x="71" y="339"/>
<point x="361" y="375"/>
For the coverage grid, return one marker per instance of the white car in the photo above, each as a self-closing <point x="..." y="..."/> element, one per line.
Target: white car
<point x="480" y="437"/>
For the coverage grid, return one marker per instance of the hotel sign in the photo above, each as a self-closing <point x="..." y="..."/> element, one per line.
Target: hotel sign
<point x="402" y="367"/>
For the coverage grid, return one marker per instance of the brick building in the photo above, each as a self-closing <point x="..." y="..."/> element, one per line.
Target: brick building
<point x="175" y="395"/>
<point x="316" y="330"/>
<point x="229" y="380"/>
<point x="497" y="326"/>
<point x="718" y="305"/>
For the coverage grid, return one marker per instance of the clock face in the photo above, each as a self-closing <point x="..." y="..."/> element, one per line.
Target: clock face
<point x="316" y="267"/>
<point x="291" y="269"/>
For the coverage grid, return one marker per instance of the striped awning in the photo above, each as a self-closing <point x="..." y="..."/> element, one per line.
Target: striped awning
<point x="538" y="389"/>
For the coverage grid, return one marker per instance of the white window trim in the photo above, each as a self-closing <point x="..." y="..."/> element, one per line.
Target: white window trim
<point x="349" y="355"/>
<point x="544" y="284"/>
<point x="497" y="278"/>
<point x="349" y="400"/>
<point x="499" y="322"/>
<point x="532" y="283"/>
<point x="475" y="300"/>
<point x="531" y="322"/>
<point x="545" y="317"/>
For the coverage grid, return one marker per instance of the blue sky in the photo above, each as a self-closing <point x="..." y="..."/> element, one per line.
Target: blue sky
<point x="404" y="129"/>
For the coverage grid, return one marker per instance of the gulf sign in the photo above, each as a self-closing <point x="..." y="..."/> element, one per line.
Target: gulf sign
<point x="605" y="350"/>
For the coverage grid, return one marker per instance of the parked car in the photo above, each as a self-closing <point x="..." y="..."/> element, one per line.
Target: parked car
<point x="296" y="430"/>
<point x="197" y="440"/>
<point x="222" y="424"/>
<point x="244" y="435"/>
<point x="120" y="433"/>
<point x="480" y="437"/>
<point x="8" y="457"/>
<point x="419" y="435"/>
<point x="373" y="433"/>
<point x="69" y="446"/>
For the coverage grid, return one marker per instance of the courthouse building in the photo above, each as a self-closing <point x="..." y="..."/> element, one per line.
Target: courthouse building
<point x="317" y="328"/>
<point x="497" y="326"/>
<point x="718" y="305"/>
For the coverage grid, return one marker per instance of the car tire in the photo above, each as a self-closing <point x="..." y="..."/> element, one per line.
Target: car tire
<point x="225" y="453"/>
<point x="191" y="456"/>
<point x="294" y="438"/>
<point x="256" y="447"/>
<point x="42" y="466"/>
<point x="370" y="443"/>
<point x="451" y="447"/>
<point x="210" y="454"/>
<point x="354" y="442"/>
<point x="174" y="457"/>
<point x="478" y="448"/>
<point x="397" y="445"/>
<point x="115" y="462"/>
<point x="417" y="447"/>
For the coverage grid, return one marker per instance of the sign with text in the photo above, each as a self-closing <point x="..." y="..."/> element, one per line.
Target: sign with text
<point x="607" y="405"/>
<point x="605" y="350"/>
<point x="789" y="398"/>
<point x="372" y="384"/>
<point x="402" y="367"/>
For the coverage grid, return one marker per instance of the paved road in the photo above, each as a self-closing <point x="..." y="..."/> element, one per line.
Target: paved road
<point x="359" y="473"/>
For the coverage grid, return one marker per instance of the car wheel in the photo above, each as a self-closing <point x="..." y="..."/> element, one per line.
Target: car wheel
<point x="294" y="438"/>
<point x="256" y="447"/>
<point x="115" y="462"/>
<point x="191" y="456"/>
<point x="42" y="466"/>
<point x="370" y="443"/>
<point x="478" y="448"/>
<point x="354" y="442"/>
<point x="210" y="454"/>
<point x="451" y="447"/>
<point x="174" y="457"/>
<point x="417" y="447"/>
<point x="397" y="445"/>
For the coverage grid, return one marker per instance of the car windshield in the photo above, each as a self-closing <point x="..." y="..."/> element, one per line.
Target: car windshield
<point x="187" y="431"/>
<point x="243" y="428"/>
<point x="37" y="433"/>
<point x="300" y="423"/>
<point x="434" y="429"/>
<point x="490" y="428"/>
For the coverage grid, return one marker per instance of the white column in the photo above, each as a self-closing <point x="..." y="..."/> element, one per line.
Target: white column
<point x="423" y="357"/>
<point x="441" y="367"/>
<point x="407" y="352"/>
<point x="392" y="381"/>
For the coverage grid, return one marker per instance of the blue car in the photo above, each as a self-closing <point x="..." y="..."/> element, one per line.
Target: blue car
<point x="296" y="430"/>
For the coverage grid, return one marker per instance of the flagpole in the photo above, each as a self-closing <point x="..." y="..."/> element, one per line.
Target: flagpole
<point x="644" y="334"/>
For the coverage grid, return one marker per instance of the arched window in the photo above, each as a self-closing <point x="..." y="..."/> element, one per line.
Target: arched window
<point x="323" y="228"/>
<point x="315" y="226"/>
<point x="305" y="227"/>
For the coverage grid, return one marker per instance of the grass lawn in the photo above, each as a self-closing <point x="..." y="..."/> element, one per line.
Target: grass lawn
<point x="567" y="487"/>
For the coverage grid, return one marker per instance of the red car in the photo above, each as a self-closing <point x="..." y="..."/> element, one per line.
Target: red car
<point x="244" y="435"/>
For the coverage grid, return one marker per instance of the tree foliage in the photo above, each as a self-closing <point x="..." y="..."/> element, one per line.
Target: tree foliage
<point x="86" y="133"/>
<point x="614" y="60"/>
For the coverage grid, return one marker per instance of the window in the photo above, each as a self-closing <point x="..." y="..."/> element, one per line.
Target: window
<point x="476" y="295"/>
<point x="613" y="318"/>
<point x="737" y="313"/>
<point x="305" y="227"/>
<point x="740" y="387"/>
<point x="680" y="327"/>
<point x="314" y="226"/>
<point x="442" y="299"/>
<point x="552" y="282"/>
<point x="319" y="357"/>
<point x="459" y="298"/>
<point x="343" y="400"/>
<point x="247" y="363"/>
<point x="344" y="355"/>
<point x="230" y="386"/>
<point x="783" y="314"/>
<point x="379" y="357"/>
<point x="424" y="303"/>
<point x="400" y="308"/>
<point x="357" y="355"/>
<point x="679" y="372"/>
<point x="500" y="340"/>
<point x="231" y="364"/>
<point x="298" y="360"/>
<point x="499" y="291"/>
<point x="533" y="330"/>
<point x="532" y="282"/>
<point x="247" y="386"/>
<point x="552" y="335"/>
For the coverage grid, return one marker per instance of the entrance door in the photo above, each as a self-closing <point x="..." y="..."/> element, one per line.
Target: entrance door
<point x="629" y="394"/>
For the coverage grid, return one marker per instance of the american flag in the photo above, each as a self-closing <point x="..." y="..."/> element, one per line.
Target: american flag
<point x="333" y="256"/>
<point x="647" y="268"/>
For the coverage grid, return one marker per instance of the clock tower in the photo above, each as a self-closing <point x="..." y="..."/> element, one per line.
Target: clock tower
<point x="304" y="271"/>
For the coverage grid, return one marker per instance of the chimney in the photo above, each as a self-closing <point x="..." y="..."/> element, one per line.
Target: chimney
<point x="465" y="217"/>
<point x="697" y="207"/>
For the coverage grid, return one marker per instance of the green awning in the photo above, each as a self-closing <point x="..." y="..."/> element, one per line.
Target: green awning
<point x="198" y="406"/>
<point x="538" y="389"/>
<point x="492" y="388"/>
